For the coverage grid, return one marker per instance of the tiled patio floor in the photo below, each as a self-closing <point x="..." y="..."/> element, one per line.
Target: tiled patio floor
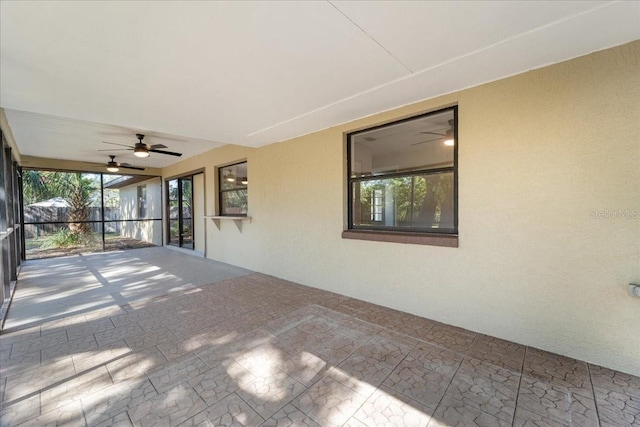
<point x="256" y="350"/>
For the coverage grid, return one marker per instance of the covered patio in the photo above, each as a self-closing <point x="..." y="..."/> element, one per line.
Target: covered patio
<point x="362" y="213"/>
<point x="153" y="337"/>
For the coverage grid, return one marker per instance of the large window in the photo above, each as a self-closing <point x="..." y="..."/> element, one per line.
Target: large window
<point x="403" y="176"/>
<point x="233" y="189"/>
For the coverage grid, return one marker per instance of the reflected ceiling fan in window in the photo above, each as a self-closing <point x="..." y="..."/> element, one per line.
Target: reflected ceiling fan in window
<point x="113" y="166"/>
<point x="447" y="137"/>
<point x="140" y="149"/>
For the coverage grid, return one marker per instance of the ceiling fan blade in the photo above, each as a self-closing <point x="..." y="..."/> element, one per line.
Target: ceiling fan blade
<point x="428" y="140"/>
<point x="115" y="143"/>
<point x="155" y="146"/>
<point x="171" y="153"/>
<point x="118" y="149"/>
<point x="128" y="166"/>
<point x="434" y="133"/>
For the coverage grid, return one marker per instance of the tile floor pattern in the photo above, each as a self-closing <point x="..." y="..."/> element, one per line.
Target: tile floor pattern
<point x="256" y="350"/>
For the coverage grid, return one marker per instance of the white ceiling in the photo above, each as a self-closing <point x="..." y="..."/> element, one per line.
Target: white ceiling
<point x="205" y="73"/>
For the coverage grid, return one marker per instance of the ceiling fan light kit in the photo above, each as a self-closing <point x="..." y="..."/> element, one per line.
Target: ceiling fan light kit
<point x="140" y="151"/>
<point x="448" y="138"/>
<point x="230" y="178"/>
<point x="113" y="166"/>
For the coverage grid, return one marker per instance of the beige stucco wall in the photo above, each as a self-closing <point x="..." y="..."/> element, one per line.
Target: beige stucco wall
<point x="199" y="221"/>
<point x="147" y="231"/>
<point x="541" y="156"/>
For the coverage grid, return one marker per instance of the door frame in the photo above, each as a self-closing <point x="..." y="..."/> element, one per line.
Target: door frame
<point x="189" y="175"/>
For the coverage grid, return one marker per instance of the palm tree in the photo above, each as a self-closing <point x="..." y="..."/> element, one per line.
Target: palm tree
<point x="76" y="188"/>
<point x="79" y="197"/>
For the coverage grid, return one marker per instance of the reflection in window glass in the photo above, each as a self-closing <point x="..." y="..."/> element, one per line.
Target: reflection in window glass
<point x="233" y="181"/>
<point x="416" y="201"/>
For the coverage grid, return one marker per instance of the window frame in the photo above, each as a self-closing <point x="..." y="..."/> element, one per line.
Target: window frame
<point x="439" y="237"/>
<point x="221" y="191"/>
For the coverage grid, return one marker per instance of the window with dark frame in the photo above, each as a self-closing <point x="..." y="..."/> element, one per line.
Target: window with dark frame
<point x="233" y="184"/>
<point x="402" y="176"/>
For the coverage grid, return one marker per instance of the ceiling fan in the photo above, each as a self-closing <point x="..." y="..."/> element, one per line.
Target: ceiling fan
<point x="113" y="166"/>
<point x="447" y="136"/>
<point x="140" y="149"/>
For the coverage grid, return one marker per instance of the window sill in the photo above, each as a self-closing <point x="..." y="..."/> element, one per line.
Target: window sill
<point x="445" y="240"/>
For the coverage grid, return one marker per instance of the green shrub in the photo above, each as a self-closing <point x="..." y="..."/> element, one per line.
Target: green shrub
<point x="65" y="238"/>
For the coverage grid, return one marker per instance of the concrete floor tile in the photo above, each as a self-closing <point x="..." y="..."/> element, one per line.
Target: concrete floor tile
<point x="388" y="408"/>
<point x="94" y="357"/>
<point x="490" y="388"/>
<point x="329" y="403"/>
<point x="38" y="343"/>
<point x="109" y="402"/>
<point x="75" y="332"/>
<point x="21" y="411"/>
<point x="176" y="371"/>
<point x="136" y="365"/>
<point x="617" y="409"/>
<point x="171" y="408"/>
<point x="20" y="363"/>
<point x="33" y="380"/>
<point x="384" y="351"/>
<point x="76" y="346"/>
<point x="305" y="367"/>
<point x="117" y="334"/>
<point x="120" y="420"/>
<point x="269" y="393"/>
<point x="231" y="411"/>
<point x="217" y="383"/>
<point x="154" y="338"/>
<point x="70" y="415"/>
<point x="418" y="383"/>
<point x="65" y="393"/>
<point x="452" y="412"/>
<point x="439" y="359"/>
<point x="555" y="404"/>
<point x="289" y="416"/>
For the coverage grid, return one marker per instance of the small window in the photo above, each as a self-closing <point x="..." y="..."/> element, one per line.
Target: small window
<point x="142" y="201"/>
<point x="233" y="184"/>
<point x="403" y="175"/>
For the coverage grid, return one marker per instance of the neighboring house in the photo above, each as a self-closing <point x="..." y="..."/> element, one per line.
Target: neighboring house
<point x="140" y="211"/>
